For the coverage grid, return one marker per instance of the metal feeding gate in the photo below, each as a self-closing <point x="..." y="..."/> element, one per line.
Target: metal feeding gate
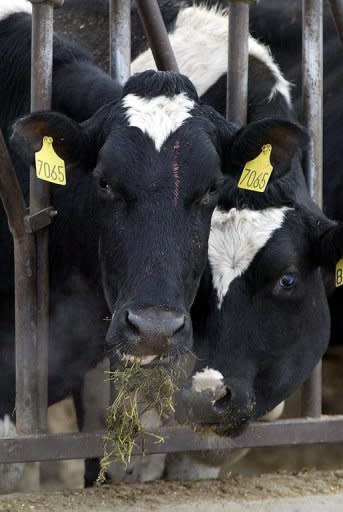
<point x="30" y="234"/>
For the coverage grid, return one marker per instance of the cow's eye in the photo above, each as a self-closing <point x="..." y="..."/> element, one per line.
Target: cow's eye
<point x="288" y="280"/>
<point x="104" y="185"/>
<point x="211" y="195"/>
<point x="105" y="190"/>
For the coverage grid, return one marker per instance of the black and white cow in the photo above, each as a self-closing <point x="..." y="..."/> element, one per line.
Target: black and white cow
<point x="261" y="319"/>
<point x="286" y="41"/>
<point x="144" y="166"/>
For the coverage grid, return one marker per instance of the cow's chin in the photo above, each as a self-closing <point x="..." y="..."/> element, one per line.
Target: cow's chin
<point x="231" y="429"/>
<point x="198" y="410"/>
<point x="232" y="423"/>
<point x="223" y="428"/>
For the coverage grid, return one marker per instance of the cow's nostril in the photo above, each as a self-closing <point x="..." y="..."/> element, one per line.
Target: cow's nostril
<point x="221" y="405"/>
<point x="179" y="323"/>
<point x="133" y="321"/>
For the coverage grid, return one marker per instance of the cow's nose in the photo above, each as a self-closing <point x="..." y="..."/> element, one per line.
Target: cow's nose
<point x="214" y="401"/>
<point x="150" y="331"/>
<point x="166" y="323"/>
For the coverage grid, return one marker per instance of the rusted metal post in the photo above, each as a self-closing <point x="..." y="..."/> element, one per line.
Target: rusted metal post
<point x="238" y="61"/>
<point x="337" y="11"/>
<point x="157" y="34"/>
<point x="120" y="40"/>
<point x="25" y="291"/>
<point x="32" y="361"/>
<point x="313" y="119"/>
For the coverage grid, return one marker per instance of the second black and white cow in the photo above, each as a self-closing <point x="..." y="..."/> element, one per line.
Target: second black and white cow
<point x="261" y="317"/>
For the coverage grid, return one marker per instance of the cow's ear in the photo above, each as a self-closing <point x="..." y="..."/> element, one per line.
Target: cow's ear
<point x="71" y="141"/>
<point x="328" y="247"/>
<point x="286" y="139"/>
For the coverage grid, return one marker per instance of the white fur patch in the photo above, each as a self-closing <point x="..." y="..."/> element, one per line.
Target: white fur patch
<point x="275" y="413"/>
<point x="10" y="474"/>
<point x="8" y="7"/>
<point x="158" y="117"/>
<point x="207" y="379"/>
<point x="200" y="45"/>
<point x="235" y="239"/>
<point x="7" y="428"/>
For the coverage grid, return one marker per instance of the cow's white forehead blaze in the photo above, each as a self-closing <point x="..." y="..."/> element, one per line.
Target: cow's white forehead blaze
<point x="8" y="7"/>
<point x="158" y="116"/>
<point x="235" y="238"/>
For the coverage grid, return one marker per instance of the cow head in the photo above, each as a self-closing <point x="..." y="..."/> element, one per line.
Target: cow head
<point x="261" y="317"/>
<point x="155" y="159"/>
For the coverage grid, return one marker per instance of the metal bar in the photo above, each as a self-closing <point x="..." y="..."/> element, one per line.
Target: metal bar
<point x="311" y="394"/>
<point x="32" y="376"/>
<point x="157" y="35"/>
<point x="313" y="93"/>
<point x="120" y="62"/>
<point x="238" y="61"/>
<point x="313" y="118"/>
<point x="337" y="11"/>
<point x="176" y="439"/>
<point x="120" y="40"/>
<point x="25" y="288"/>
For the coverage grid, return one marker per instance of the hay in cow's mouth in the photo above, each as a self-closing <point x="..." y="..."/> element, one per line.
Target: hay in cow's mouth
<point x="137" y="390"/>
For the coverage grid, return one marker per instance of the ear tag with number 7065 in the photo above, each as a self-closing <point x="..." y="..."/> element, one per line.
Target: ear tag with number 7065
<point x="256" y="172"/>
<point x="49" y="166"/>
<point x="339" y="273"/>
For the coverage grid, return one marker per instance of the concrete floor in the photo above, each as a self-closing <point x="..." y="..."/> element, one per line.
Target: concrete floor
<point x="307" y="491"/>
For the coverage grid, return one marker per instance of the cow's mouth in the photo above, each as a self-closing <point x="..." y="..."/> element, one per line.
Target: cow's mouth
<point x="148" y="361"/>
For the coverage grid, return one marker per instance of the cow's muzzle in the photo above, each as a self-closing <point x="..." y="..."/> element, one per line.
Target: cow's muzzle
<point x="211" y="402"/>
<point x="150" y="333"/>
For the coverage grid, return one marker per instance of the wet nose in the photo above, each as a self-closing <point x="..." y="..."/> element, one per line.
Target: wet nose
<point x="166" y="324"/>
<point x="150" y="331"/>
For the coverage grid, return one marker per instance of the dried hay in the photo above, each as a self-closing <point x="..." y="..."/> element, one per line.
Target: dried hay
<point x="137" y="390"/>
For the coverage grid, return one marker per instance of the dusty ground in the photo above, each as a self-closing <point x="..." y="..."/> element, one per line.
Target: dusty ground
<point x="152" y="496"/>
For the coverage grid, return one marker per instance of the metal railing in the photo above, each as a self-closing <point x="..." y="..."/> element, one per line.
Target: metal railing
<point x="31" y="250"/>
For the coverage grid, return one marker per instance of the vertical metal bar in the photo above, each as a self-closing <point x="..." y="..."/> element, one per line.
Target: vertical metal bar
<point x="337" y="11"/>
<point x="25" y="287"/>
<point x="32" y="361"/>
<point x="157" y="34"/>
<point x="313" y="118"/>
<point x="120" y="40"/>
<point x="120" y="61"/>
<point x="238" y="61"/>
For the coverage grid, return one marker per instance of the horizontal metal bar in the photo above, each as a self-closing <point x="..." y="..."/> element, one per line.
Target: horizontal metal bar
<point x="39" y="220"/>
<point x="327" y="429"/>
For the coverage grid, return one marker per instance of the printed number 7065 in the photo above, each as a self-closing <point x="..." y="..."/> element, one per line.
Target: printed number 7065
<point x="54" y="173"/>
<point x="253" y="179"/>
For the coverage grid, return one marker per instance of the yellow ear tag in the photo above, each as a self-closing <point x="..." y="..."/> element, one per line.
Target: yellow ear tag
<point x="256" y="172"/>
<point x="49" y="166"/>
<point x="339" y="273"/>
